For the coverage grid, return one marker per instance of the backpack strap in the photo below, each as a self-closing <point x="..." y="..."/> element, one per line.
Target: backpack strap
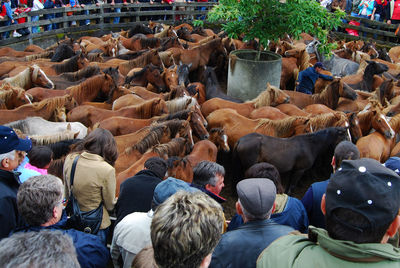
<point x="72" y="175"/>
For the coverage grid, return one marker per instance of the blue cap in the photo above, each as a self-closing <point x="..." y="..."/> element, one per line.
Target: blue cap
<point x="393" y="163"/>
<point x="169" y="187"/>
<point x="9" y="141"/>
<point x="320" y="65"/>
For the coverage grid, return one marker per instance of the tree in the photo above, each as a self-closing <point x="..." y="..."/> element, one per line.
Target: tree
<point x="271" y="19"/>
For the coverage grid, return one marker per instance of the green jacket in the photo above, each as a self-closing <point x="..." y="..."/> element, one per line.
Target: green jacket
<point x="300" y="251"/>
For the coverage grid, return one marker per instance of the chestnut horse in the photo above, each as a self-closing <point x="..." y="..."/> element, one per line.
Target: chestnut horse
<point x="272" y="96"/>
<point x="88" y="115"/>
<point x="13" y="97"/>
<point x="329" y="96"/>
<point x="32" y="76"/>
<point x="149" y="74"/>
<point x="237" y="126"/>
<point x="176" y="147"/>
<point x="219" y="138"/>
<point x="45" y="109"/>
<point x="372" y="117"/>
<point x="97" y="88"/>
<point x="182" y="168"/>
<point x="119" y="125"/>
<point x="378" y="146"/>
<point x="267" y="112"/>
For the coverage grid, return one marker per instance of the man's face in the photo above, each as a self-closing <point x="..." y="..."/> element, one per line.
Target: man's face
<point x="218" y="186"/>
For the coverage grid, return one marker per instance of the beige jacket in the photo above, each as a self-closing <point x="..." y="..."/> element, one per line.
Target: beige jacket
<point x="94" y="181"/>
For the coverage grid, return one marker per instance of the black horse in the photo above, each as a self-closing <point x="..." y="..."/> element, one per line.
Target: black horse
<point x="62" y="52"/>
<point x="373" y="68"/>
<point x="213" y="89"/>
<point x="291" y="156"/>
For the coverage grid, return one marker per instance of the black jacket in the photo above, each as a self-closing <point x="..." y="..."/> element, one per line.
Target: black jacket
<point x="136" y="193"/>
<point x="9" y="217"/>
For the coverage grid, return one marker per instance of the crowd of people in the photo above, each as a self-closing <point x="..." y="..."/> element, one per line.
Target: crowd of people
<point x="351" y="219"/>
<point x="11" y="8"/>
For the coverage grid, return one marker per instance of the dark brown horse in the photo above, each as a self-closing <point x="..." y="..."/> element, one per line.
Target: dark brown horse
<point x="149" y="74"/>
<point x="291" y="156"/>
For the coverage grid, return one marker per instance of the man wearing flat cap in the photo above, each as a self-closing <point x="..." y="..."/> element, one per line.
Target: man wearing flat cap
<point x="308" y="77"/>
<point x="10" y="144"/>
<point x="241" y="247"/>
<point x="361" y="208"/>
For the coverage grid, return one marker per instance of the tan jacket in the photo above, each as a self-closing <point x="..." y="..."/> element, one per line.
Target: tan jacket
<point x="94" y="181"/>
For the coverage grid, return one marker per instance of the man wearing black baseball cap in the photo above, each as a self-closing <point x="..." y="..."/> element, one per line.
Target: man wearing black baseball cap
<point x="10" y="144"/>
<point x="308" y="77"/>
<point x="361" y="208"/>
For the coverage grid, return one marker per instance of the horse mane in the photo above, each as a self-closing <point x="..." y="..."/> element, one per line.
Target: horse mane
<point x="7" y="91"/>
<point x="175" y="92"/>
<point x="70" y="65"/>
<point x="45" y="54"/>
<point x="153" y="138"/>
<point x="20" y="125"/>
<point x="86" y="88"/>
<point x="265" y="98"/>
<point x="145" y="109"/>
<point x="62" y="148"/>
<point x="50" y="104"/>
<point x="395" y="123"/>
<point x="182" y="115"/>
<point x="53" y="138"/>
<point x="181" y="103"/>
<point x="172" y="148"/>
<point x="208" y="42"/>
<point x="56" y="167"/>
<point x="149" y="42"/>
<point x="142" y="60"/>
<point x="304" y="60"/>
<point x="322" y="121"/>
<point x="83" y="73"/>
<point x="329" y="96"/>
<point x="281" y="127"/>
<point x="175" y="126"/>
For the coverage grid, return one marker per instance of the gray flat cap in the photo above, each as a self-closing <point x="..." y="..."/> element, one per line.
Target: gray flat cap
<point x="256" y="195"/>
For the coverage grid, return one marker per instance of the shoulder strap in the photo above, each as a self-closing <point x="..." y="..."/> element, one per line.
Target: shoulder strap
<point x="72" y="175"/>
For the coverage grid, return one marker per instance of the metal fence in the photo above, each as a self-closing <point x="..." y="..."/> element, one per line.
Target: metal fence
<point x="101" y="18"/>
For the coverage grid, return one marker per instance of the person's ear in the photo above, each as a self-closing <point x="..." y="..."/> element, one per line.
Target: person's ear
<point x="55" y="212"/>
<point x="333" y="163"/>
<point x="238" y="208"/>
<point x="208" y="187"/>
<point x="273" y="208"/>
<point x="323" y="205"/>
<point x="4" y="162"/>
<point x="206" y="261"/>
<point x="394" y="226"/>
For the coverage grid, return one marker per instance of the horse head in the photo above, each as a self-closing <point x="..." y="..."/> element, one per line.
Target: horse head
<point x="345" y="91"/>
<point x="170" y="76"/>
<point x="219" y="138"/>
<point x="153" y="75"/>
<point x="196" y="123"/>
<point x="39" y="78"/>
<point x="374" y="67"/>
<point x="183" y="73"/>
<point x="354" y="127"/>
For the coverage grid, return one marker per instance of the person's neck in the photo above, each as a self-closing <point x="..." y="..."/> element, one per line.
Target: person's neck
<point x="50" y="222"/>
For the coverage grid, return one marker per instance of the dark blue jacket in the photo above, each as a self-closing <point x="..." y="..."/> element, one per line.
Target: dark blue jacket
<point x="307" y="79"/>
<point x="89" y="248"/>
<point x="294" y="215"/>
<point x="136" y="193"/>
<point x="9" y="217"/>
<point x="312" y="203"/>
<point x="240" y="248"/>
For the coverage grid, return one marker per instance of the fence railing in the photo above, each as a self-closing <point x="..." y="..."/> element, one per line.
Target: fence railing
<point x="381" y="33"/>
<point x="101" y="18"/>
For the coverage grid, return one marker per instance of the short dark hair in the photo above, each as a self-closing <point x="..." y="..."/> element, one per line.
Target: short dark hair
<point x="345" y="150"/>
<point x="101" y="142"/>
<point x="40" y="156"/>
<point x="342" y="222"/>
<point x="206" y="172"/>
<point x="156" y="165"/>
<point x="267" y="171"/>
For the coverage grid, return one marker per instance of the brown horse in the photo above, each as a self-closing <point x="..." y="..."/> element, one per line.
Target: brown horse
<point x="13" y="97"/>
<point x="149" y="74"/>
<point x="97" y="88"/>
<point x="219" y="138"/>
<point x="119" y="125"/>
<point x="182" y="168"/>
<point x="32" y="76"/>
<point x="45" y="109"/>
<point x="139" y="42"/>
<point x="329" y="96"/>
<point x="292" y="110"/>
<point x="378" y="146"/>
<point x="176" y="147"/>
<point x="237" y="126"/>
<point x="49" y="68"/>
<point x="272" y="96"/>
<point x="88" y="115"/>
<point x="267" y="112"/>
<point x="197" y="56"/>
<point x="372" y="117"/>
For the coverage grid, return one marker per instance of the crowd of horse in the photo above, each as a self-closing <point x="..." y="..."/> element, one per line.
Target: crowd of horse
<point x="159" y="93"/>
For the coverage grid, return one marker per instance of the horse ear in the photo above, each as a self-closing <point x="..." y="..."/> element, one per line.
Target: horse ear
<point x="69" y="126"/>
<point x="76" y="134"/>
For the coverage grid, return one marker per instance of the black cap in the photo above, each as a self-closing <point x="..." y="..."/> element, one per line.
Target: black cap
<point x="366" y="187"/>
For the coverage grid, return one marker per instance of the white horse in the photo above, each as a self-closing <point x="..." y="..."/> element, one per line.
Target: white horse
<point x="32" y="76"/>
<point x="39" y="126"/>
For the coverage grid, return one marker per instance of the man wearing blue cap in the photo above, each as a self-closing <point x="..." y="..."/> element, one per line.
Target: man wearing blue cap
<point x="308" y="77"/>
<point x="361" y="208"/>
<point x="10" y="144"/>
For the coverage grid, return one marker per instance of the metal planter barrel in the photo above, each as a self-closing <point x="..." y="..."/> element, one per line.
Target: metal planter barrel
<point x="248" y="76"/>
